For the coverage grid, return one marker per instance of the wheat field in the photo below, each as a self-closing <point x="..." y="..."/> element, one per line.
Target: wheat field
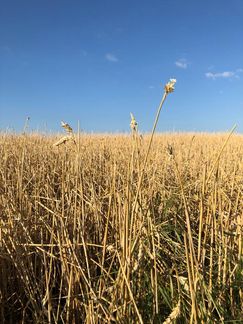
<point x="91" y="234"/>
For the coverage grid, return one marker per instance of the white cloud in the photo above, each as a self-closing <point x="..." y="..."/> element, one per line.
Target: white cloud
<point x="111" y="57"/>
<point x="214" y="76"/>
<point x="224" y="75"/>
<point x="182" y="63"/>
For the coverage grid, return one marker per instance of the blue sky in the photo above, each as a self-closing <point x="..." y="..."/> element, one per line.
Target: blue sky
<point x="97" y="61"/>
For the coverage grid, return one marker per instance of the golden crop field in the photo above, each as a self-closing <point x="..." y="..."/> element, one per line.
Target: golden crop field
<point x="103" y="230"/>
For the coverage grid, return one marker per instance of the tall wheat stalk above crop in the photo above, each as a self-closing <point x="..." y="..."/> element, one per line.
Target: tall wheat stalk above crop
<point x="70" y="135"/>
<point x="169" y="88"/>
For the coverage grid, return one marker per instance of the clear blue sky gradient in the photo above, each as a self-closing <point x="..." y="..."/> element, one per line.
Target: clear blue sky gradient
<point x="97" y="61"/>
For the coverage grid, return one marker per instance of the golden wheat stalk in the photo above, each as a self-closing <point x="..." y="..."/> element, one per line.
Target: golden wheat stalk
<point x="174" y="314"/>
<point x="63" y="140"/>
<point x="26" y="125"/>
<point x="67" y="127"/>
<point x="68" y="137"/>
<point x="184" y="283"/>
<point x="133" y="123"/>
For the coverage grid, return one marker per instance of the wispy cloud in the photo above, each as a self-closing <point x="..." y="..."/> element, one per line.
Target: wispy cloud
<point x="111" y="57"/>
<point x="224" y="75"/>
<point x="182" y="63"/>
